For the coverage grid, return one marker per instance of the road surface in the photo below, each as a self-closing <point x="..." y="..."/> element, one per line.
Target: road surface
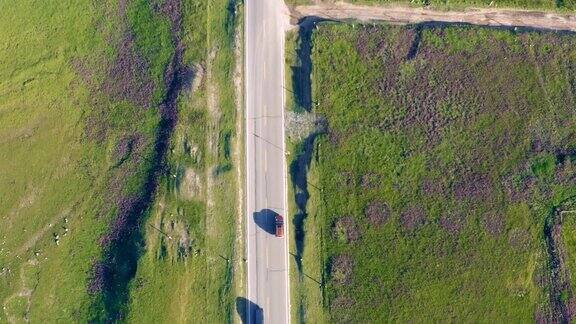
<point x="265" y="24"/>
<point x="267" y="255"/>
<point x="403" y="14"/>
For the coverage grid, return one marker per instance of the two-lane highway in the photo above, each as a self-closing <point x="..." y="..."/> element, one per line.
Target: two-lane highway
<point x="265" y="24"/>
<point x="267" y="255"/>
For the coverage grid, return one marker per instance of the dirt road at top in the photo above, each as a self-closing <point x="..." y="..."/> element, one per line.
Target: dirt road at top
<point x="403" y="14"/>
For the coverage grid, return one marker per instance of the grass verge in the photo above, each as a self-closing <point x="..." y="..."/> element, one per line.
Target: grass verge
<point x="307" y="299"/>
<point x="187" y="272"/>
<point x="105" y="190"/>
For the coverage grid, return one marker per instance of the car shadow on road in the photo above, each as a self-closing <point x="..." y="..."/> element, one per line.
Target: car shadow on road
<point x="249" y="312"/>
<point x="266" y="220"/>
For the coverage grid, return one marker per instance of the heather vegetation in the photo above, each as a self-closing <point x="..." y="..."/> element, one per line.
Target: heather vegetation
<point x="74" y="159"/>
<point x="435" y="192"/>
<point x="103" y="131"/>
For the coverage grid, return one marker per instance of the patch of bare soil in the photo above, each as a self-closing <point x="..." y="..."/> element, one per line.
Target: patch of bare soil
<point x="413" y="217"/>
<point x="494" y="223"/>
<point x="191" y="185"/>
<point x="343" y="302"/>
<point x="453" y="222"/>
<point x="519" y="239"/>
<point x="404" y="14"/>
<point x="178" y="234"/>
<point x="346" y="229"/>
<point x="239" y="264"/>
<point x="370" y="181"/>
<point x="342" y="269"/>
<point x="519" y="190"/>
<point x="473" y="186"/>
<point x="377" y="212"/>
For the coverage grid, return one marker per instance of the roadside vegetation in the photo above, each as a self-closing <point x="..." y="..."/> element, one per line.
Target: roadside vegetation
<point x="187" y="273"/>
<point x="562" y="5"/>
<point x="302" y="126"/>
<point x="437" y="185"/>
<point x="104" y="193"/>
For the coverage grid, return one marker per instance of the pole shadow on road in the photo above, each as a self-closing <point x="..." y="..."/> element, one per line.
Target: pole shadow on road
<point x="250" y="313"/>
<point x="265" y="219"/>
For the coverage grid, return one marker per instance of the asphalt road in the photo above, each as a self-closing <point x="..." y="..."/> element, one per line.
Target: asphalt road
<point x="265" y="24"/>
<point x="267" y="255"/>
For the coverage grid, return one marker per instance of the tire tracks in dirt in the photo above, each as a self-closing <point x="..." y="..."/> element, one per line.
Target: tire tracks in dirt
<point x="341" y="11"/>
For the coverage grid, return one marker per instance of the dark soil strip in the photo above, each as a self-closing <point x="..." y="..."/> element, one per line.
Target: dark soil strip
<point x="125" y="243"/>
<point x="561" y="293"/>
<point x="301" y="83"/>
<point x="299" y="175"/>
<point x="571" y="70"/>
<point x="559" y="282"/>
<point x="415" y="43"/>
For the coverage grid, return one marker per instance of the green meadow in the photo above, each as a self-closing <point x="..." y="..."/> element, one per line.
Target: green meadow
<point x="434" y="191"/>
<point x="104" y="160"/>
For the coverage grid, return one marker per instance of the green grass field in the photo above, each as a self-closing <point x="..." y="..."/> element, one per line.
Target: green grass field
<point x="448" y="153"/>
<point x="53" y="171"/>
<point x="85" y="104"/>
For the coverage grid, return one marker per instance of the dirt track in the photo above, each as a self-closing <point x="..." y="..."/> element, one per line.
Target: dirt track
<point x="403" y="14"/>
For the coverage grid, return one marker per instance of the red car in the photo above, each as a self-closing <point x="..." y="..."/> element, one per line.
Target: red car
<point x="279" y="226"/>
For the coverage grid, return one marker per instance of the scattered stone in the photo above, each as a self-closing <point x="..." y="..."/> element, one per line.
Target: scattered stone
<point x="191" y="184"/>
<point x="302" y="125"/>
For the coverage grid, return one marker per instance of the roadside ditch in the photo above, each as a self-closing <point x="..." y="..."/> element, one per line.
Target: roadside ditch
<point x="123" y="244"/>
<point x="302" y="127"/>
